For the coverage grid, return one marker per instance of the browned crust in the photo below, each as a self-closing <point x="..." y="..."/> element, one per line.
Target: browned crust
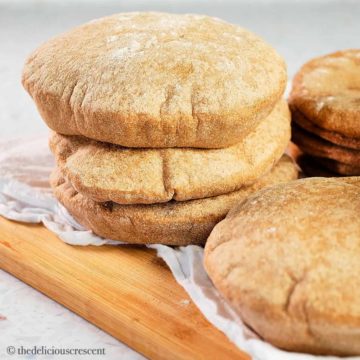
<point x="172" y="223"/>
<point x="287" y="259"/>
<point x="315" y="146"/>
<point x="338" y="167"/>
<point x="330" y="136"/>
<point x="323" y="167"/>
<point x="156" y="80"/>
<point x="342" y="115"/>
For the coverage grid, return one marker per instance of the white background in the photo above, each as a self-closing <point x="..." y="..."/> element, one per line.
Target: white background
<point x="299" y="30"/>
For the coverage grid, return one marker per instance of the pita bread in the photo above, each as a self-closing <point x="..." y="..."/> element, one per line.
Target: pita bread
<point x="287" y="259"/>
<point x="105" y="172"/>
<point x="330" y="136"/>
<point x="152" y="79"/>
<point x="326" y="91"/>
<point x="171" y="223"/>
<point x="315" y="146"/>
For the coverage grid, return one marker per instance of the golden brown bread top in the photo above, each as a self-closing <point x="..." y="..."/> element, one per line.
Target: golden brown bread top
<point x="156" y="80"/>
<point x="172" y="223"/>
<point x="106" y="172"/>
<point x="287" y="258"/>
<point x="327" y="91"/>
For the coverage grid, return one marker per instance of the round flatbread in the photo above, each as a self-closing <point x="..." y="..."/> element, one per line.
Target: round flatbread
<point x="287" y="259"/>
<point x="105" y="172"/>
<point x="331" y="136"/>
<point x="171" y="223"/>
<point x="156" y="80"/>
<point x="326" y="91"/>
<point x="315" y="146"/>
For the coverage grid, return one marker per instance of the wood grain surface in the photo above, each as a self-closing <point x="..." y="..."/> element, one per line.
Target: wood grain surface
<point x="127" y="291"/>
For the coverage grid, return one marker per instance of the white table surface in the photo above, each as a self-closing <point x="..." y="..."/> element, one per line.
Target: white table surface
<point x="299" y="30"/>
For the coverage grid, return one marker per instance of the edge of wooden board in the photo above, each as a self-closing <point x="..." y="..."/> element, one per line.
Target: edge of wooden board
<point x="127" y="291"/>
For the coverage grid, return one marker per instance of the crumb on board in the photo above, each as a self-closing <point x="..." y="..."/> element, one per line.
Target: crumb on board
<point x="184" y="302"/>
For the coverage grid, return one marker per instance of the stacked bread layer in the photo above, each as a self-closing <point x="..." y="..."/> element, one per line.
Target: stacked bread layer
<point x="170" y="196"/>
<point x="161" y="123"/>
<point x="325" y="104"/>
<point x="106" y="172"/>
<point x="172" y="223"/>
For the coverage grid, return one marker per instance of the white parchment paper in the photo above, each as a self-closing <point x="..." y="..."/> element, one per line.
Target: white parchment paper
<point x="25" y="195"/>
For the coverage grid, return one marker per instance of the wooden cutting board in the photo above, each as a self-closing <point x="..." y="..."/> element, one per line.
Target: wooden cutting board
<point x="127" y="291"/>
